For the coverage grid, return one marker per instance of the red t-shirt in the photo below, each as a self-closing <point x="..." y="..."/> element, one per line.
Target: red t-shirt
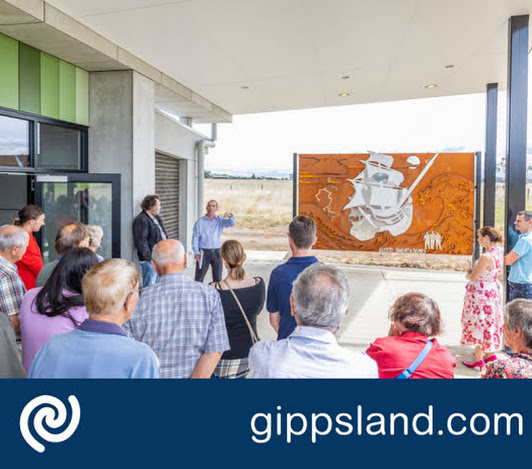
<point x="394" y="354"/>
<point x="31" y="263"/>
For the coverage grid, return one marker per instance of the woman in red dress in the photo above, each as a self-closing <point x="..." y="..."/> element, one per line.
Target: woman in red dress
<point x="31" y="218"/>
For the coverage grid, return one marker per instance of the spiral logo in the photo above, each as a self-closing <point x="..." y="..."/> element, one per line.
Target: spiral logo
<point x="54" y="415"/>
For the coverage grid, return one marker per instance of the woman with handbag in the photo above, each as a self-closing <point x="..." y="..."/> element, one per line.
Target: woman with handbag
<point x="408" y="351"/>
<point x="242" y="300"/>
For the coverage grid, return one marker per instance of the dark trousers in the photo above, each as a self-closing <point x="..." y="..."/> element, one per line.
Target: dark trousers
<point x="210" y="257"/>
<point x="519" y="290"/>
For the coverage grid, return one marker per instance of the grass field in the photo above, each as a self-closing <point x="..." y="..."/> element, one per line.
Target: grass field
<point x="257" y="204"/>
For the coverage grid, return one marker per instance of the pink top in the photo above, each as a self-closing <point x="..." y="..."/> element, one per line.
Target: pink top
<point x="36" y="329"/>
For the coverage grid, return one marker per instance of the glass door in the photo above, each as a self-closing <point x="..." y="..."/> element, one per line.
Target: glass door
<point x="93" y="199"/>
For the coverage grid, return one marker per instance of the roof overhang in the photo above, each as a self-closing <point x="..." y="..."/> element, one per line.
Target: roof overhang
<point x="46" y="28"/>
<point x="254" y="55"/>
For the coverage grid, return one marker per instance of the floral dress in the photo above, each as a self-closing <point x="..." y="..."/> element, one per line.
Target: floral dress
<point x="519" y="366"/>
<point x="482" y="316"/>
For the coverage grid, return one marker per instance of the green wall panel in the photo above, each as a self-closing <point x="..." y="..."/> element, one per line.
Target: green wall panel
<point x="8" y="72"/>
<point x="67" y="91"/>
<point x="29" y="79"/>
<point x="82" y="97"/>
<point x="35" y="82"/>
<point x="49" y="86"/>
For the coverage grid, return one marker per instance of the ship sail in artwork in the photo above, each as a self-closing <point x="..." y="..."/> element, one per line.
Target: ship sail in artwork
<point x="380" y="203"/>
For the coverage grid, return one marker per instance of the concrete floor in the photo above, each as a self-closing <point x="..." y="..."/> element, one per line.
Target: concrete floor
<point x="373" y="291"/>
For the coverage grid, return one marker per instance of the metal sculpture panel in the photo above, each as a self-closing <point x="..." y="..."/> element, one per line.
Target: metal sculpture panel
<point x="417" y="203"/>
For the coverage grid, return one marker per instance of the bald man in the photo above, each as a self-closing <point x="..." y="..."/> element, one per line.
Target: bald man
<point x="180" y="319"/>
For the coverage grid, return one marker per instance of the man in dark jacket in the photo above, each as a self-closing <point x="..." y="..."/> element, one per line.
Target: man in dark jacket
<point x="148" y="230"/>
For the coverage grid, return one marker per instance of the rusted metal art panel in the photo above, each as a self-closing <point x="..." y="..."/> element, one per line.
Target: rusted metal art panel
<point x="403" y="202"/>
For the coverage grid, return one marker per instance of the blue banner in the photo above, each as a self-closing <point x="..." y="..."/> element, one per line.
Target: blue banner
<point x="255" y="423"/>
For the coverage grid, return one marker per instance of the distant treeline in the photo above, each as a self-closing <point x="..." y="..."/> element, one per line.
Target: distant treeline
<point x="211" y="175"/>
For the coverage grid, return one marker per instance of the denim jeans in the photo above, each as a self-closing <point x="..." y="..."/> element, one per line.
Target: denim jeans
<point x="519" y="290"/>
<point x="149" y="277"/>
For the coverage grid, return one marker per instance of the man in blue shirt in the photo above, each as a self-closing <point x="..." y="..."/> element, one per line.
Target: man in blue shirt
<point x="207" y="240"/>
<point x="520" y="259"/>
<point x="99" y="348"/>
<point x="301" y="238"/>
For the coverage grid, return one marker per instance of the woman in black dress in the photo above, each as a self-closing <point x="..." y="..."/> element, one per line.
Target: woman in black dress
<point x="242" y="300"/>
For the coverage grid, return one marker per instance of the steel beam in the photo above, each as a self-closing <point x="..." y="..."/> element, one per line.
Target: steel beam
<point x="515" y="194"/>
<point x="490" y="160"/>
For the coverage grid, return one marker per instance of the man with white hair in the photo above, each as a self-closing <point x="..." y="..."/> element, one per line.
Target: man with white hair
<point x="13" y="243"/>
<point x="319" y="303"/>
<point x="180" y="319"/>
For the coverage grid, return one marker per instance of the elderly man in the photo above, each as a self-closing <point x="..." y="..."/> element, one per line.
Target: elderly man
<point x="99" y="348"/>
<point x="148" y="230"/>
<point x="319" y="303"/>
<point x="13" y="243"/>
<point x="207" y="240"/>
<point x="520" y="259"/>
<point x="301" y="238"/>
<point x="73" y="235"/>
<point x="180" y="319"/>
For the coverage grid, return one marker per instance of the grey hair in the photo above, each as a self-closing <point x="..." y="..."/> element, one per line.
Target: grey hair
<point x="12" y="236"/>
<point x="526" y="214"/>
<point x="95" y="235"/>
<point x="162" y="258"/>
<point x="321" y="296"/>
<point x="519" y="316"/>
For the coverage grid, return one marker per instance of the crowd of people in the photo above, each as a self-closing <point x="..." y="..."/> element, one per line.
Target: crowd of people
<point x="85" y="317"/>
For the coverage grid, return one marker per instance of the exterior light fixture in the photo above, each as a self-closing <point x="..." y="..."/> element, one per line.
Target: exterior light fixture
<point x="345" y="77"/>
<point x="343" y="95"/>
<point x="432" y="85"/>
<point x="449" y="66"/>
<point x="244" y="87"/>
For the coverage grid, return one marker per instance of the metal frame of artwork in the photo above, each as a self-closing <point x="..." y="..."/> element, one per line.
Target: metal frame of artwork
<point x="406" y="203"/>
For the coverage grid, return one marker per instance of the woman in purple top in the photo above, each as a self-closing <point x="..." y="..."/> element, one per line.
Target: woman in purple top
<point x="57" y="307"/>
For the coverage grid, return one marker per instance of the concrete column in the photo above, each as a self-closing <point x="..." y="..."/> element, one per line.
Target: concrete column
<point x="121" y="140"/>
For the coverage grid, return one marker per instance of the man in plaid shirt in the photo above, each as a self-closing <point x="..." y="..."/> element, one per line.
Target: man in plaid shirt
<point x="13" y="244"/>
<point x="180" y="319"/>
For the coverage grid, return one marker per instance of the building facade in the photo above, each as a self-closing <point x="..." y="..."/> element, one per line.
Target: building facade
<point x="87" y="130"/>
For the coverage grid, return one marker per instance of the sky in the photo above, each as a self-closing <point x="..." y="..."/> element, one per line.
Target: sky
<point x="267" y="141"/>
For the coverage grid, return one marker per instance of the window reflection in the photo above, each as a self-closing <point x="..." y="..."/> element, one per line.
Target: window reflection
<point x="59" y="147"/>
<point x="14" y="142"/>
<point x="72" y="202"/>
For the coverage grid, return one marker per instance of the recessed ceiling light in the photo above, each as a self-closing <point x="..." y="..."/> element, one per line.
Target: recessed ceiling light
<point x="244" y="87"/>
<point x="343" y="95"/>
<point x="449" y="66"/>
<point x="345" y="77"/>
<point x="433" y="85"/>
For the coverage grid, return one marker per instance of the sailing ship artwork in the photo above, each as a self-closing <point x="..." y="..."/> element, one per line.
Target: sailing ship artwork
<point x="411" y="203"/>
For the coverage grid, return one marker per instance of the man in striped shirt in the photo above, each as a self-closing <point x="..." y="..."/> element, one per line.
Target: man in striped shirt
<point x="13" y="243"/>
<point x="180" y="319"/>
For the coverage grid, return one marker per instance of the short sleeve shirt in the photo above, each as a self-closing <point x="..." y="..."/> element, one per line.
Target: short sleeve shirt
<point x="521" y="270"/>
<point x="280" y="289"/>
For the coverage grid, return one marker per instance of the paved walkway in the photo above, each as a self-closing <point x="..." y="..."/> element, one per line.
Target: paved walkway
<point x="373" y="291"/>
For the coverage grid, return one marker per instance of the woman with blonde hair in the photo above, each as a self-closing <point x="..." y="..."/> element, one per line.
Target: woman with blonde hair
<point x="242" y="300"/>
<point x="482" y="315"/>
